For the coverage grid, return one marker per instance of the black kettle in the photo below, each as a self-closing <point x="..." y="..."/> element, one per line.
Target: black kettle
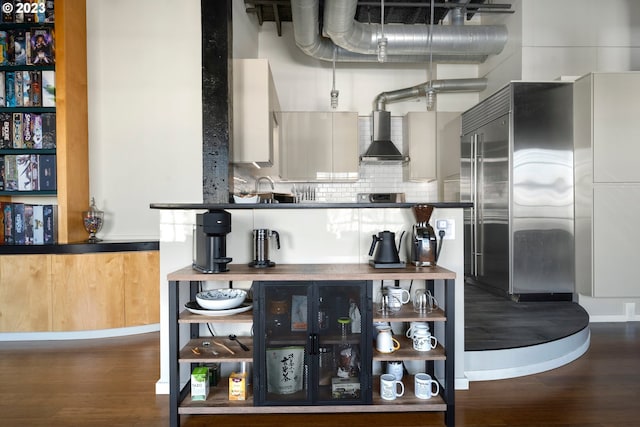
<point x="387" y="251"/>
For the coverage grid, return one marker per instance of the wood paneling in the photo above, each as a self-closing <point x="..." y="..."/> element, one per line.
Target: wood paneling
<point x="71" y="118"/>
<point x="88" y="291"/>
<point x="25" y="293"/>
<point x="141" y="288"/>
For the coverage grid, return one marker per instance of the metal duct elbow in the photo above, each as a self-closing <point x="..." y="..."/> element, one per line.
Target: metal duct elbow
<point x="433" y="86"/>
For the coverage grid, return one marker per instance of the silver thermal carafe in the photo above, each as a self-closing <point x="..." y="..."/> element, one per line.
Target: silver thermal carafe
<point x="261" y="247"/>
<point x="424" y="246"/>
<point x="209" y="241"/>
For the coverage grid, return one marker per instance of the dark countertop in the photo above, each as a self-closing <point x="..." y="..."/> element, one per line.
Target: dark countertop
<point x="81" y="247"/>
<point x="315" y="205"/>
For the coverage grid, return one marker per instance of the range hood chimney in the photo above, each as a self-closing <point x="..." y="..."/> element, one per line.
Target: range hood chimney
<point x="382" y="149"/>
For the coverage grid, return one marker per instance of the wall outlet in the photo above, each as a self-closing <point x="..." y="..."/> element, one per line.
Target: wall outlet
<point x="448" y="225"/>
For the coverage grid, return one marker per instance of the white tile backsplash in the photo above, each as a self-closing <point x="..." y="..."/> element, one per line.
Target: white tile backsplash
<point x="373" y="178"/>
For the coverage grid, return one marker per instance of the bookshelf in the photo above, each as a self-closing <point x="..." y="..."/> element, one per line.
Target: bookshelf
<point x="72" y="171"/>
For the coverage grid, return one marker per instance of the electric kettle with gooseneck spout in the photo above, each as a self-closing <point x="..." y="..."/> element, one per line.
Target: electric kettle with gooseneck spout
<point x="386" y="251"/>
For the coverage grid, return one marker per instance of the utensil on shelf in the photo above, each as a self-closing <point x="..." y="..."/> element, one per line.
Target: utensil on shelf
<point x="232" y="337"/>
<point x="223" y="346"/>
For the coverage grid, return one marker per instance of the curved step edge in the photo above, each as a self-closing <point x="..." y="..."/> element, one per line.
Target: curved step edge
<point x="517" y="362"/>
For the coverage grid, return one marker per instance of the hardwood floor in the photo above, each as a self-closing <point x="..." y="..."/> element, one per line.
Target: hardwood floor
<point x="111" y="382"/>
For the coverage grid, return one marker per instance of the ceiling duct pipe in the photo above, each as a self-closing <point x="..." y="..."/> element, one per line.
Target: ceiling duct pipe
<point x="419" y="91"/>
<point x="306" y="22"/>
<point x="382" y="149"/>
<point x="403" y="39"/>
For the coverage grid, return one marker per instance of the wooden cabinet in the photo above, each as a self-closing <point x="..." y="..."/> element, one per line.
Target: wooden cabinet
<point x="183" y="358"/>
<point x="255" y="108"/>
<point x="607" y="183"/>
<point x="319" y="146"/>
<point x="421" y="136"/>
<point x="72" y="195"/>
<point x="25" y="293"/>
<point x="88" y="292"/>
<point x="76" y="292"/>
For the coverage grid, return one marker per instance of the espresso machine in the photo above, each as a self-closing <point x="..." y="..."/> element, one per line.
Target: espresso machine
<point x="209" y="241"/>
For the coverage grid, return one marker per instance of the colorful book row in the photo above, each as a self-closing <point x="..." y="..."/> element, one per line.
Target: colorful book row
<point x="28" y="172"/>
<point x="21" y="11"/>
<point x="27" y="130"/>
<point x="27" y="88"/>
<point x="34" y="46"/>
<point x="26" y="224"/>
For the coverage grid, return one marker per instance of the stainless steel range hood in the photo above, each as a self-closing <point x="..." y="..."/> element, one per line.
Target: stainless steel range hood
<point x="382" y="149"/>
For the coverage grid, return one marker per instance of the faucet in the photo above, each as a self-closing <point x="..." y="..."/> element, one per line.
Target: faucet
<point x="264" y="178"/>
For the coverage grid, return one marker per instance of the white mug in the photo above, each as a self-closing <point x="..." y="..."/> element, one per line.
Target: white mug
<point x="424" y="341"/>
<point x="401" y="295"/>
<point x="416" y="326"/>
<point x="385" y="342"/>
<point x="396" y="369"/>
<point x="424" y="386"/>
<point x="390" y="388"/>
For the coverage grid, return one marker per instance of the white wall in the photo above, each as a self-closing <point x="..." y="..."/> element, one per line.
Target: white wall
<point x="145" y="113"/>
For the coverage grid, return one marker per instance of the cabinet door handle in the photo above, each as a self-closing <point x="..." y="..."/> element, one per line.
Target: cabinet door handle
<point x="313" y="344"/>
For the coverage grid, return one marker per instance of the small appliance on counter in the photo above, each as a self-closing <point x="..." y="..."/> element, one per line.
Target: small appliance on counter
<point x="424" y="246"/>
<point x="209" y="241"/>
<point x="261" y="247"/>
<point x="381" y="198"/>
<point x="386" y="253"/>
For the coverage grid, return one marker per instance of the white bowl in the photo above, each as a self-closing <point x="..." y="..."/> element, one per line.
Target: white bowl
<point x="246" y="199"/>
<point x="221" y="299"/>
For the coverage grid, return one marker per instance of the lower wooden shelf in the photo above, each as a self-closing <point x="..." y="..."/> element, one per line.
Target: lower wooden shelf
<point x="218" y="403"/>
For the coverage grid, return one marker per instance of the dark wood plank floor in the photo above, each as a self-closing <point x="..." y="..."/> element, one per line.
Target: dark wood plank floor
<point x="111" y="382"/>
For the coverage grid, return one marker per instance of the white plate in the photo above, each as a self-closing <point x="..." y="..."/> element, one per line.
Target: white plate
<point x="195" y="308"/>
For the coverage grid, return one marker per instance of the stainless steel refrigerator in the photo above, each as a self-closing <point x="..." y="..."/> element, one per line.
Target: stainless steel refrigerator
<point x="517" y="170"/>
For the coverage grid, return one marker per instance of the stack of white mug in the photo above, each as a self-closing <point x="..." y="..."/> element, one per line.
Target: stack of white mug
<point x="391" y="301"/>
<point x="391" y="385"/>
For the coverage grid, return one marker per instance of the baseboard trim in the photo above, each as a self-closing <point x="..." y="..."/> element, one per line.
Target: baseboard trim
<point x="79" y="335"/>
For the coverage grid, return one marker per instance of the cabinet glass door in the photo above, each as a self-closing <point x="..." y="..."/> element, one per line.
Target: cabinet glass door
<point x="312" y="343"/>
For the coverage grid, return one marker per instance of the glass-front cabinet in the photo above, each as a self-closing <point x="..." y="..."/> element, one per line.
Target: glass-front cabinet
<point x="312" y="343"/>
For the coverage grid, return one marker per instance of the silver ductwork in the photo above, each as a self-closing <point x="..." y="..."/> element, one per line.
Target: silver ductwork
<point x="432" y="86"/>
<point x="455" y="44"/>
<point x="354" y="36"/>
<point x="382" y="149"/>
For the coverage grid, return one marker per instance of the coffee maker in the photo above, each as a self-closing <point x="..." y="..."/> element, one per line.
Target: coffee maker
<point x="209" y="241"/>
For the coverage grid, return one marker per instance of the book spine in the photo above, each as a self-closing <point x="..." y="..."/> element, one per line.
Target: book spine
<point x="17" y="131"/>
<point x="10" y="88"/>
<point x="27" y="130"/>
<point x="50" y="227"/>
<point x="36" y="124"/>
<point x="47" y="171"/>
<point x="18" y="223"/>
<point x="28" y="224"/>
<point x="8" y="224"/>
<point x="38" y="225"/>
<point x="35" y="91"/>
<point x="11" y="173"/>
<point x="48" y="130"/>
<point x="6" y="133"/>
<point x="1" y="173"/>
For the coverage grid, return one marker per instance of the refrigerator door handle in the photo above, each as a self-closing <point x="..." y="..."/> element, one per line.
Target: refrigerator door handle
<point x="474" y="200"/>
